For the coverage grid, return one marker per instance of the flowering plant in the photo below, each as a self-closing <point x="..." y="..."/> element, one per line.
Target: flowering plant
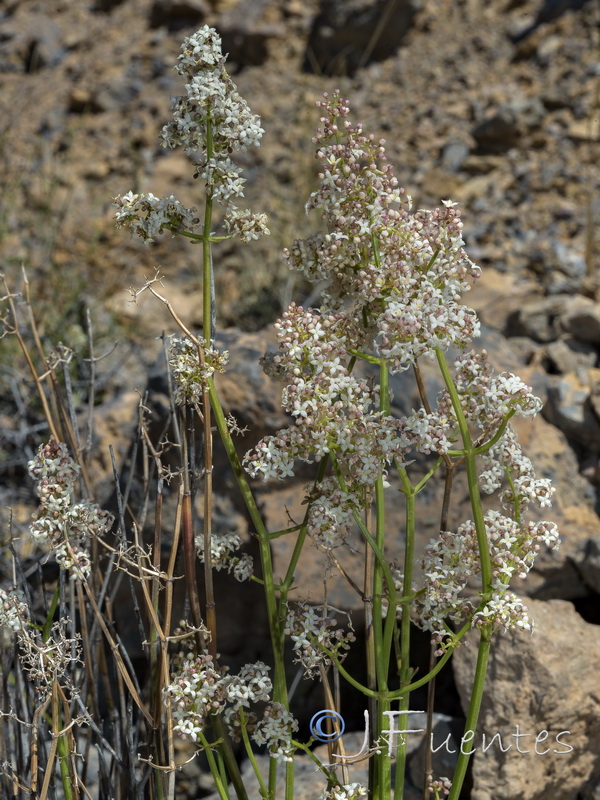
<point x="393" y="301"/>
<point x="393" y="297"/>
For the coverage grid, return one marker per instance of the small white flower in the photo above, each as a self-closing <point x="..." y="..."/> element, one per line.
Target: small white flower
<point x="275" y="730"/>
<point x="59" y="522"/>
<point x="349" y="791"/>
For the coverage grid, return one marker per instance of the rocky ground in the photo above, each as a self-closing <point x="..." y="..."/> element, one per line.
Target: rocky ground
<point x="496" y="105"/>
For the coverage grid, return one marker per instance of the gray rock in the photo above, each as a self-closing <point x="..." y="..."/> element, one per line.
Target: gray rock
<point x="444" y="745"/>
<point x="348" y="35"/>
<point x="539" y="319"/>
<point x="246" y="31"/>
<point x="570" y="409"/>
<point x="177" y="13"/>
<point x="568" y="259"/>
<point x="309" y="781"/>
<point x="505" y="126"/>
<point x="567" y="354"/>
<point x="34" y="44"/>
<point x="455" y="155"/>
<point x="589" y="565"/>
<point x="591" y="791"/>
<point x="581" y="317"/>
<point x="531" y="696"/>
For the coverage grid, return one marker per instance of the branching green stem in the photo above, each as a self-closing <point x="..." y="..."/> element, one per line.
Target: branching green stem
<point x="486" y="575"/>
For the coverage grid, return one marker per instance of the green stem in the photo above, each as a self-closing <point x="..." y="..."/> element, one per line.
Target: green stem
<point x="207" y="278"/>
<point x="208" y="313"/>
<point x="420" y="485"/>
<point x="289" y="576"/>
<point x="472" y="478"/>
<point x="50" y="616"/>
<point x="275" y="628"/>
<point x="331" y="776"/>
<point x="466" y="748"/>
<point x="62" y="748"/>
<point x="405" y="670"/>
<point x="264" y="792"/>
<point x="456" y="637"/>
<point x="214" y="768"/>
<point x="486" y="577"/>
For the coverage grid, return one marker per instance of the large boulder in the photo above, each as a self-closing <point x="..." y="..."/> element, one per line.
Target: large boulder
<point x="542" y="705"/>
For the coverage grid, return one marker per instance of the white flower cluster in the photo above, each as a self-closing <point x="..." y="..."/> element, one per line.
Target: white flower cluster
<point x="504" y="611"/>
<point x="59" y="522"/>
<point x="335" y="412"/>
<point x="487" y="398"/>
<point x="331" y="514"/>
<point x="148" y="216"/>
<point x="44" y="661"/>
<point x="245" y="224"/>
<point x="223" y="555"/>
<point x="395" y="281"/>
<point x="430" y="432"/>
<point x="404" y="271"/>
<point x="506" y="459"/>
<point x="210" y="122"/>
<point x="199" y="689"/>
<point x="349" y="791"/>
<point x="14" y="613"/>
<point x="210" y="94"/>
<point x="452" y="559"/>
<point x="251" y="685"/>
<point x="275" y="730"/>
<point x="441" y="787"/>
<point x="312" y="633"/>
<point x="189" y="373"/>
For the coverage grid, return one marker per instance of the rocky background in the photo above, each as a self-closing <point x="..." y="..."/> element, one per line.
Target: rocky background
<point x="496" y="105"/>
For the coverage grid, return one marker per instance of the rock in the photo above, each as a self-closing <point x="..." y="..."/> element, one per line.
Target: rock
<point x="525" y="349"/>
<point x="454" y="156"/>
<point x="246" y="33"/>
<point x="567" y="354"/>
<point x="550" y="10"/>
<point x="309" y="781"/>
<point x="569" y="260"/>
<point x="570" y="409"/>
<point x="497" y="297"/>
<point x="533" y="694"/>
<point x="548" y="49"/>
<point x="591" y="791"/>
<point x="348" y="35"/>
<point x="588" y="130"/>
<point x="589" y="565"/>
<point x="538" y="319"/>
<point x="590" y="467"/>
<point x="246" y="391"/>
<point x="443" y="745"/>
<point x="581" y="317"/>
<point x="84" y="101"/>
<point x="107" y="5"/>
<point x="115" y="425"/>
<point x="595" y="390"/>
<point x="502" y="128"/>
<point x="556" y="574"/>
<point x="35" y="44"/>
<point x="178" y="14"/>
<point x="249" y="46"/>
